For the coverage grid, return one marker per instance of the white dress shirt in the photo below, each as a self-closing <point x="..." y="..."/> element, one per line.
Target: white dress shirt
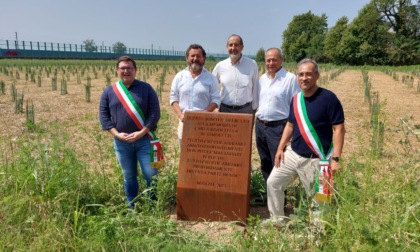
<point x="239" y="81"/>
<point x="276" y="95"/>
<point x="194" y="94"/>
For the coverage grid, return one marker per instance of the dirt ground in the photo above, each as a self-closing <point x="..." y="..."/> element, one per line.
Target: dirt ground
<point x="399" y="102"/>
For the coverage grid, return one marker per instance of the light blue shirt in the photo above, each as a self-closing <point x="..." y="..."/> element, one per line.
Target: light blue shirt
<point x="276" y="95"/>
<point x="194" y="94"/>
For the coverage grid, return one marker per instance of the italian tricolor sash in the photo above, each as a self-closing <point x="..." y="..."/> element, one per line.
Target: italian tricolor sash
<point x="133" y="109"/>
<point x="323" y="178"/>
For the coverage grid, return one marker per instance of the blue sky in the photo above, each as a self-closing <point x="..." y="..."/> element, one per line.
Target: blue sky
<point x="165" y="24"/>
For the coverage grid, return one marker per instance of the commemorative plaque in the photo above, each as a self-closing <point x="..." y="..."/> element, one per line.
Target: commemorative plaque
<point x="215" y="167"/>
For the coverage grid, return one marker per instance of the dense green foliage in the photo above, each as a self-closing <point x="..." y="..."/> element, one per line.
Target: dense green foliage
<point x="333" y="45"/>
<point x="260" y="57"/>
<point x="90" y="45"/>
<point x="304" y="37"/>
<point x="119" y="47"/>
<point x="364" y="41"/>
<point x="385" y="32"/>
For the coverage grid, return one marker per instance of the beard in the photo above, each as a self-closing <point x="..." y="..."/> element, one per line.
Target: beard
<point x="235" y="57"/>
<point x="195" y="66"/>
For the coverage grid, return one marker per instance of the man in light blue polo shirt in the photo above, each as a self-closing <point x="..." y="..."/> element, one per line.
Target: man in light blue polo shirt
<point x="276" y="88"/>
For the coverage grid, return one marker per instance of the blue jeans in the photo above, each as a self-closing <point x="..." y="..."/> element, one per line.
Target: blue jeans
<point x="129" y="154"/>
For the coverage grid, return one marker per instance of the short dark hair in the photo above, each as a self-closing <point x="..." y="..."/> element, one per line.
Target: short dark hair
<point x="126" y="59"/>
<point x="235" y="35"/>
<point x="304" y="61"/>
<point x="195" y="46"/>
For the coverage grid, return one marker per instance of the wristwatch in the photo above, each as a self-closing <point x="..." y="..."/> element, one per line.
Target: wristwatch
<point x="336" y="159"/>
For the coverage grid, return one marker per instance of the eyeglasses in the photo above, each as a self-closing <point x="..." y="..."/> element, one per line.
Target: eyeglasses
<point x="128" y="69"/>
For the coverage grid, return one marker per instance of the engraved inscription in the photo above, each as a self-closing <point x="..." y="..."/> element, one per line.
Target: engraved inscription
<point x="214" y="166"/>
<point x="217" y="151"/>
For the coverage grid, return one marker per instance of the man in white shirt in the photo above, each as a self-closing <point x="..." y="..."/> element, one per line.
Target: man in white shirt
<point x="238" y="76"/>
<point x="276" y="88"/>
<point x="194" y="88"/>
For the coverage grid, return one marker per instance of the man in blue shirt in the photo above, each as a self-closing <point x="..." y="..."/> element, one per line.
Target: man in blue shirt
<point x="132" y="144"/>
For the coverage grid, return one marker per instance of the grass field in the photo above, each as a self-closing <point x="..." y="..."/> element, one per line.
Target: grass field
<point x="61" y="186"/>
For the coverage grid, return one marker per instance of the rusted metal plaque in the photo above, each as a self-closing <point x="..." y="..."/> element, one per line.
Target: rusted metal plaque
<point x="215" y="167"/>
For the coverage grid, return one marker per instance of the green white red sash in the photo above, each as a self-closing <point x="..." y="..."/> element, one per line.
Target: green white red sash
<point x="133" y="109"/>
<point x="323" y="179"/>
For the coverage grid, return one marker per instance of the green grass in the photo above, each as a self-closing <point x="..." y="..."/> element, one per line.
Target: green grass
<point x="52" y="200"/>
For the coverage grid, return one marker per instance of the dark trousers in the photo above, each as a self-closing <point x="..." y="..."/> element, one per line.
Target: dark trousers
<point x="242" y="110"/>
<point x="268" y="138"/>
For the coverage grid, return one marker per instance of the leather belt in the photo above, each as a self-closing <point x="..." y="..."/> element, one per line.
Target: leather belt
<point x="236" y="107"/>
<point x="272" y="123"/>
<point x="308" y="155"/>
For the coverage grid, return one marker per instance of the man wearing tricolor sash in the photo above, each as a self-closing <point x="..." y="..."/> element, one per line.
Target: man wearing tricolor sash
<point x="129" y="110"/>
<point x="315" y="127"/>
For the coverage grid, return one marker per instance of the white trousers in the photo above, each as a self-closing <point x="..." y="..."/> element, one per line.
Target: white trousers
<point x="180" y="128"/>
<point x="281" y="177"/>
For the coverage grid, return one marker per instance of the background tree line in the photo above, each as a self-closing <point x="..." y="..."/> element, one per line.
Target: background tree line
<point x="385" y="32"/>
<point x="117" y="47"/>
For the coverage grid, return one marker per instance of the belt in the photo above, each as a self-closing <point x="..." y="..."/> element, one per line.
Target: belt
<point x="272" y="123"/>
<point x="235" y="106"/>
<point x="308" y="155"/>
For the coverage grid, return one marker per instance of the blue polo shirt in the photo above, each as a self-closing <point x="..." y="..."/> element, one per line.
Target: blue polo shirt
<point x="112" y="113"/>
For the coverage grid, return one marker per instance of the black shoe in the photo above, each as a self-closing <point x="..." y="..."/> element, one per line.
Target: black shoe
<point x="260" y="201"/>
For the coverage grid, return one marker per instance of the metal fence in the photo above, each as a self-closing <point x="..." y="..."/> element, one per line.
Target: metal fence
<point x="47" y="50"/>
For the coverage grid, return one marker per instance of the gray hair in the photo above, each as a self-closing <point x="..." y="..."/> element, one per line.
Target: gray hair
<point x="277" y="49"/>
<point x="241" y="42"/>
<point x="304" y="61"/>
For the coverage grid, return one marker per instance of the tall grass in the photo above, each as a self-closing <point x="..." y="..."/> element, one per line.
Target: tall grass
<point x="50" y="199"/>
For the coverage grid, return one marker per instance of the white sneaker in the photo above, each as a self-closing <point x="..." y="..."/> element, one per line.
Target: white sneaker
<point x="316" y="223"/>
<point x="274" y="222"/>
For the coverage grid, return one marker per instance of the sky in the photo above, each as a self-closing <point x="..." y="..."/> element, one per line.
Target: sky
<point x="163" y="24"/>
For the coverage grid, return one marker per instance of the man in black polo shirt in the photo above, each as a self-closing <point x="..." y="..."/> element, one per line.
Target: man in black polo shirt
<point x="316" y="127"/>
